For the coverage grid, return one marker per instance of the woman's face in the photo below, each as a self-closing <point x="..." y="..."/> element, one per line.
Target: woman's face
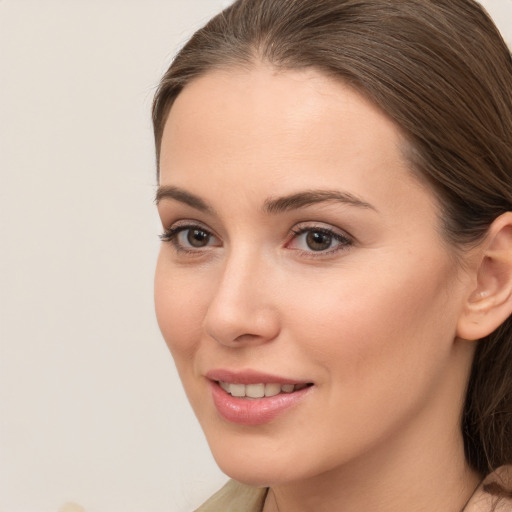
<point x="301" y="257"/>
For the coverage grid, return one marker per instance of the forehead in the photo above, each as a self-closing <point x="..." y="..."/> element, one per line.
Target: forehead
<point x="266" y="94"/>
<point x="241" y="128"/>
<point x="273" y="107"/>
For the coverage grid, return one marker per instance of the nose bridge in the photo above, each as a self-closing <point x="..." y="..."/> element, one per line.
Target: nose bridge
<point x="242" y="308"/>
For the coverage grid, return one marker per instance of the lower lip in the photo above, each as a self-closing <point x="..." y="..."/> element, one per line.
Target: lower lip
<point x="254" y="411"/>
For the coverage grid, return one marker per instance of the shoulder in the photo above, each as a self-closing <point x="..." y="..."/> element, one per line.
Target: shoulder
<point x="235" y="497"/>
<point x="494" y="493"/>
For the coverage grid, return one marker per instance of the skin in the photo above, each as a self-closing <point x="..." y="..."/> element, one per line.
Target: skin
<point x="371" y="320"/>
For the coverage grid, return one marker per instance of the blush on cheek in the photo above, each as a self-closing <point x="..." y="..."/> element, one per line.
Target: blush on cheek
<point x="181" y="332"/>
<point x="166" y="317"/>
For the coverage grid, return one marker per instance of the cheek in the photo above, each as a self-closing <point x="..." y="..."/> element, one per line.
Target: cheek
<point x="378" y="346"/>
<point x="179" y="308"/>
<point x="371" y="326"/>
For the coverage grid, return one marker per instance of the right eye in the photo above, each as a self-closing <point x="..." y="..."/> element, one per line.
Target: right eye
<point x="190" y="238"/>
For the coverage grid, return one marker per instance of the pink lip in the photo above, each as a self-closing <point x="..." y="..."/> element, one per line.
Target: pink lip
<point x="250" y="377"/>
<point x="255" y="411"/>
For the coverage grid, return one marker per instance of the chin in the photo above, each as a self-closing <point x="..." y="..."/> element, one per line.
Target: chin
<point x="254" y="476"/>
<point x="250" y="462"/>
<point x="261" y="462"/>
<point x="255" y="473"/>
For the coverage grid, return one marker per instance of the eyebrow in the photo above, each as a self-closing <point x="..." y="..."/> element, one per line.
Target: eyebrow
<point x="178" y="194"/>
<point x="273" y="205"/>
<point x="310" y="197"/>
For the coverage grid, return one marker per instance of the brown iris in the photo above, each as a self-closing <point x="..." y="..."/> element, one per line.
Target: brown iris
<point x="318" y="241"/>
<point x="198" y="237"/>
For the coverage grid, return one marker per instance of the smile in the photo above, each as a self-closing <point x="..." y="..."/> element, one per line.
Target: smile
<point x="254" y="402"/>
<point x="254" y="391"/>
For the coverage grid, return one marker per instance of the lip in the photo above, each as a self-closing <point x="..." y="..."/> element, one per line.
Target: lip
<point x="250" y="377"/>
<point x="254" y="411"/>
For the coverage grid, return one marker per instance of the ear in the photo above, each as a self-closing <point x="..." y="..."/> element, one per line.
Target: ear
<point x="490" y="302"/>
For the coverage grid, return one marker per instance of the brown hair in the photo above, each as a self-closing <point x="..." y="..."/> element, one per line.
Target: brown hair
<point x="442" y="72"/>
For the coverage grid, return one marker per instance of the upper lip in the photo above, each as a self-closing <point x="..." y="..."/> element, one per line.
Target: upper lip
<point x="250" y="377"/>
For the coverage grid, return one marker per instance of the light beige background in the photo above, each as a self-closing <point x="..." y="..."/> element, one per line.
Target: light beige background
<point x="91" y="409"/>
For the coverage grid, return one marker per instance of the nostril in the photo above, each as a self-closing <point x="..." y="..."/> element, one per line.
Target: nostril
<point x="246" y="337"/>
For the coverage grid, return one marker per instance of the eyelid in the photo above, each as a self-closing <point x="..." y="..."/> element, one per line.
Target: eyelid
<point x="321" y="226"/>
<point x="171" y="234"/>
<point x="344" y="239"/>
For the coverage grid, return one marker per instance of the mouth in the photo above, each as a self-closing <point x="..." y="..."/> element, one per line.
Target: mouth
<point x="252" y="399"/>
<point x="259" y="390"/>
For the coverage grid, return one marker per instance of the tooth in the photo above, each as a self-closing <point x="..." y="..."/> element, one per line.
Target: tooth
<point x="272" y="389"/>
<point x="224" y="386"/>
<point x="237" y="390"/>
<point x="287" y="388"/>
<point x="300" y="386"/>
<point x="255" y="390"/>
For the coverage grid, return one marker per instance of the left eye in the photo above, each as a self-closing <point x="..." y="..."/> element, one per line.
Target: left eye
<point x="318" y="240"/>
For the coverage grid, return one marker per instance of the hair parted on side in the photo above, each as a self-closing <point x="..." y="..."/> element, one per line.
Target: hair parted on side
<point x="442" y="72"/>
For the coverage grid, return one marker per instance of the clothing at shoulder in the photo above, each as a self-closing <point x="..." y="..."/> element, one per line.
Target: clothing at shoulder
<point x="237" y="497"/>
<point x="495" y="491"/>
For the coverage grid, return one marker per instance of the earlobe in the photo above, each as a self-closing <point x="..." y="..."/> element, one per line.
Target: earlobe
<point x="490" y="302"/>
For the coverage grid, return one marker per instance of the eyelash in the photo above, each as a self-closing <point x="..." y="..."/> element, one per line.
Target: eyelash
<point x="343" y="242"/>
<point x="170" y="235"/>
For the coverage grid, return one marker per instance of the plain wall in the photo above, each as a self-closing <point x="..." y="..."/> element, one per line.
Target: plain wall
<point x="91" y="409"/>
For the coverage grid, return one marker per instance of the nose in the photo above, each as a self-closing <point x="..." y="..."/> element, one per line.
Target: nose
<point x="243" y="309"/>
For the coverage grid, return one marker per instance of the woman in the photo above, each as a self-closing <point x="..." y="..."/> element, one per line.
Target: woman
<point x="335" y="282"/>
